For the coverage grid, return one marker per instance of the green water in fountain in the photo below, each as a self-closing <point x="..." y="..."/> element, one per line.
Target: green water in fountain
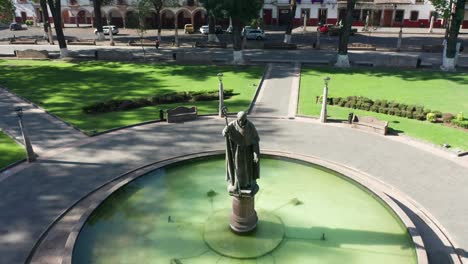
<point x="161" y="218"/>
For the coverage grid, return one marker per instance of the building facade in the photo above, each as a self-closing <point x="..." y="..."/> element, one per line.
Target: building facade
<point x="384" y="13"/>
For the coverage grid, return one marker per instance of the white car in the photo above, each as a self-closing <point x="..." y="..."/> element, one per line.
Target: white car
<point x="204" y="29"/>
<point x="257" y="34"/>
<point x="105" y="29"/>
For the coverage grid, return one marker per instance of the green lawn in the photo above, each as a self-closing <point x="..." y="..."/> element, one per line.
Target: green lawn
<point x="10" y="151"/>
<point x="446" y="92"/>
<point x="63" y="88"/>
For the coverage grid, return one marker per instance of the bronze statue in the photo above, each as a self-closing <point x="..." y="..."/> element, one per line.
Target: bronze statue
<point x="242" y="155"/>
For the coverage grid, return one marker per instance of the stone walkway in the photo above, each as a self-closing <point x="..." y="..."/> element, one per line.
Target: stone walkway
<point x="46" y="132"/>
<point x="36" y="195"/>
<point x="279" y="91"/>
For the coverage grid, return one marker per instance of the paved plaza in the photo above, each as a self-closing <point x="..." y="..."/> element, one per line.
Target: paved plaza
<point x="71" y="166"/>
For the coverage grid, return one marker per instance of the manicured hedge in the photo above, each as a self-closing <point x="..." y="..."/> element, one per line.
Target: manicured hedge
<point x="167" y="98"/>
<point x="460" y="123"/>
<point x="398" y="109"/>
<point x="384" y="107"/>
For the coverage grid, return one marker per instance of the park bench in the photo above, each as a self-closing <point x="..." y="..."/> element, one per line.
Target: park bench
<point x="81" y="42"/>
<point x="361" y="46"/>
<point x="144" y="42"/>
<point x="32" y="54"/>
<point x="181" y="114"/>
<point x="370" y="123"/>
<point x="220" y="45"/>
<point x="280" y="45"/>
<point x="432" y="48"/>
<point x="23" y="41"/>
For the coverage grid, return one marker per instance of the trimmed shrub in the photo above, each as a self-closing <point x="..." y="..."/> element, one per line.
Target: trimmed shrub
<point x="460" y="123"/>
<point x="419" y="108"/>
<point x="342" y="103"/>
<point x="336" y="100"/>
<point x="411" y="108"/>
<point x="374" y="108"/>
<point x="391" y="111"/>
<point x="438" y="114"/>
<point x="384" y="103"/>
<point x="168" y="98"/>
<point x="383" y="110"/>
<point x="393" y="104"/>
<point x="402" y="107"/>
<point x="366" y="106"/>
<point x="447" y="117"/>
<point x="397" y="111"/>
<point x="459" y="116"/>
<point x="409" y="114"/>
<point x="431" y="117"/>
<point x="419" y="116"/>
<point x="29" y="22"/>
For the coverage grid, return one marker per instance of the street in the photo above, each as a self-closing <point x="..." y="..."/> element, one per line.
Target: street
<point x="382" y="38"/>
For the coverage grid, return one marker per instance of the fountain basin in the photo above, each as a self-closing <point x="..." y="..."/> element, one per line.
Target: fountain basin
<point x="163" y="217"/>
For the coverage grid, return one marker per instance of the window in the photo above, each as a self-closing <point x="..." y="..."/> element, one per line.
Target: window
<point x="399" y="16"/>
<point x="414" y="15"/>
<point x="356" y="15"/>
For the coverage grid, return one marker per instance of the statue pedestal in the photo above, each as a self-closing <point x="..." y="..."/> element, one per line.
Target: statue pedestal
<point x="243" y="216"/>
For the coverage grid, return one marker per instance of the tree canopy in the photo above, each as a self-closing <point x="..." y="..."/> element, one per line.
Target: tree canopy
<point x="7" y="11"/>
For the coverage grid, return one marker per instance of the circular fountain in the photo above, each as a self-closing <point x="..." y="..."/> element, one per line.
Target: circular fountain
<point x="306" y="214"/>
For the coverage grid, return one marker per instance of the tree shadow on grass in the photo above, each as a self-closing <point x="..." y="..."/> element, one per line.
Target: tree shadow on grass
<point x="405" y="74"/>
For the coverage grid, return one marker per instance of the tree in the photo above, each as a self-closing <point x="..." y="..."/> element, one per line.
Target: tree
<point x="98" y="17"/>
<point x="450" y="51"/>
<point x="289" y="27"/>
<point x="7" y="11"/>
<point x="55" y="8"/>
<point x="214" y="10"/>
<point x="158" y="5"/>
<point x="345" y="31"/>
<point x="143" y="8"/>
<point x="241" y="12"/>
<point x="45" y="20"/>
<point x="442" y="7"/>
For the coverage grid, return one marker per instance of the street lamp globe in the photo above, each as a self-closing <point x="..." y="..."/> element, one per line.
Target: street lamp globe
<point x="327" y="79"/>
<point x="220" y="77"/>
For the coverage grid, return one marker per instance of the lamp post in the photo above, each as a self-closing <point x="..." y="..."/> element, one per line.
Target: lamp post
<point x="323" y="113"/>
<point x="27" y="142"/>
<point x="221" y="94"/>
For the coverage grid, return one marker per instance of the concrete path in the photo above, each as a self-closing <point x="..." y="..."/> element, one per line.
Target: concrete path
<point x="279" y="91"/>
<point x="46" y="132"/>
<point x="33" y="198"/>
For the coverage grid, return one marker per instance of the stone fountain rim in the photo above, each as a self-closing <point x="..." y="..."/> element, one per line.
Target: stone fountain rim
<point x="370" y="183"/>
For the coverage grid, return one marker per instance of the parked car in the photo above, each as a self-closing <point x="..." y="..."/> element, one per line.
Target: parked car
<point x="188" y="29"/>
<point x="204" y="29"/>
<point x="332" y="30"/>
<point x="105" y="29"/>
<point x="257" y="34"/>
<point x="16" y="26"/>
<point x="245" y="30"/>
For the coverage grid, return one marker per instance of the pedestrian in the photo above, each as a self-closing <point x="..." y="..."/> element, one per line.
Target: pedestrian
<point x="157" y="44"/>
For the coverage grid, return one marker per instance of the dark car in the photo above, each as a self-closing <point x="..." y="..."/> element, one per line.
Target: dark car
<point x="16" y="26"/>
